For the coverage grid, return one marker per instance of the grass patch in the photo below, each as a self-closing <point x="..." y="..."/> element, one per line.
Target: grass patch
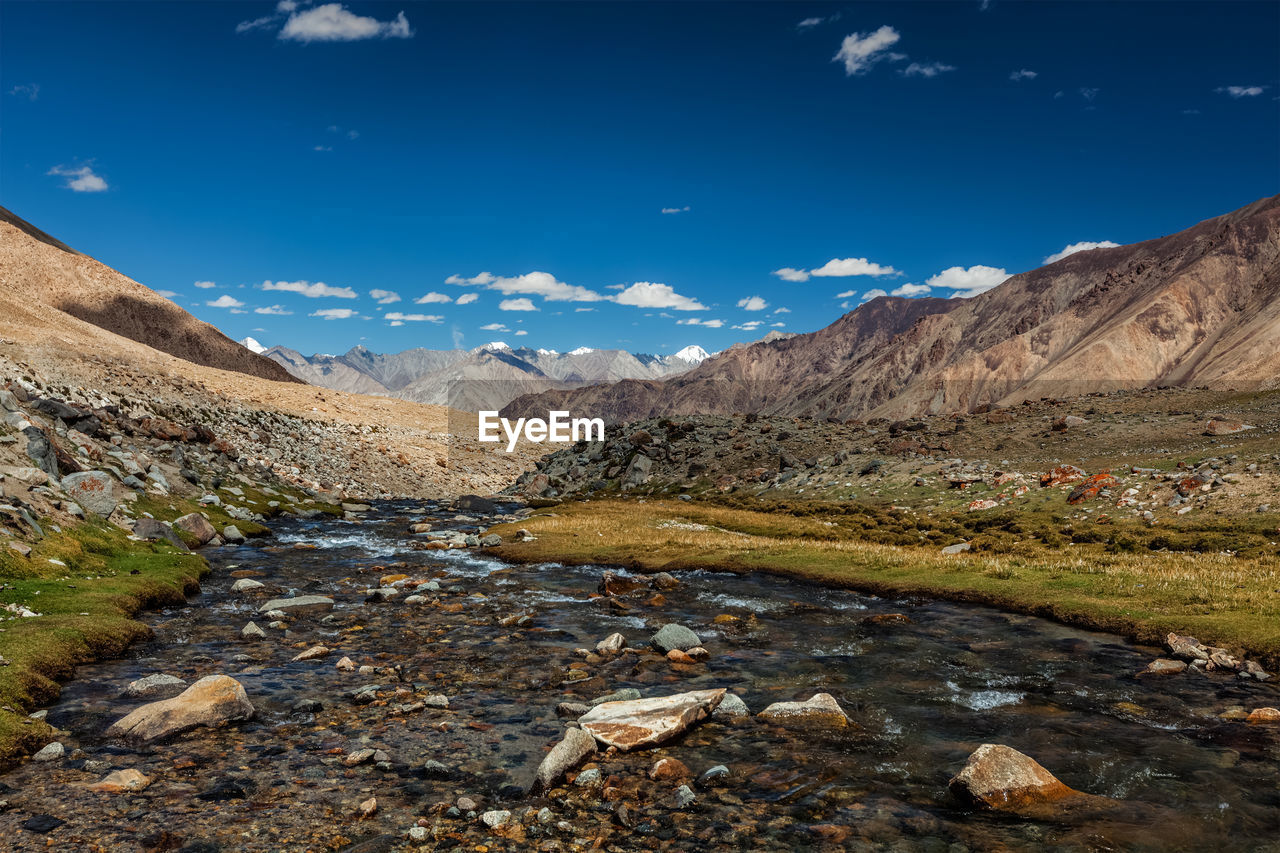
<point x="1135" y="590"/>
<point x="87" y="601"/>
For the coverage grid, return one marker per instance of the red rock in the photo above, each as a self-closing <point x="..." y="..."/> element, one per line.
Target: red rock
<point x="1264" y="715"/>
<point x="666" y="769"/>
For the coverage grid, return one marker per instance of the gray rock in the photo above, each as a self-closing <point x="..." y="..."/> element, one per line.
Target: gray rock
<point x="197" y="526"/>
<point x="232" y="534"/>
<point x="93" y="490"/>
<point x="731" y="707"/>
<point x="490" y="540"/>
<point x="958" y="548"/>
<point x="566" y="755"/>
<point x="159" y="685"/>
<point x="149" y="528"/>
<point x="684" y="797"/>
<point x="298" y="604"/>
<point x="588" y="778"/>
<point x="497" y="817"/>
<point x="673" y="636"/>
<point x="51" y="752"/>
<point x="626" y="694"/>
<point x="713" y="775"/>
<point x="253" y="632"/>
<point x="246" y="584"/>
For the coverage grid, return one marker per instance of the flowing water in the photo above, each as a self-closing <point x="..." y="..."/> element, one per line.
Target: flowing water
<point x="499" y="642"/>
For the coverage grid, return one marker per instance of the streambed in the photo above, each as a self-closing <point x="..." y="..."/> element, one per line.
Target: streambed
<point x="499" y="642"/>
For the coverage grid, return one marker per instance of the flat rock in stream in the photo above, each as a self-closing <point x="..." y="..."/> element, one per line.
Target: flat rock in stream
<point x="641" y="723"/>
<point x="152" y="686"/>
<point x="298" y="604"/>
<point x="211" y="701"/>
<point x="1001" y="778"/>
<point x="821" y="709"/>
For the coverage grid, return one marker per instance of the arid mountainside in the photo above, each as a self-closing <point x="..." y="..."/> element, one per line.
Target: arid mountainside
<point x="487" y="377"/>
<point x="45" y="284"/>
<point x="260" y="417"/>
<point x="1198" y="308"/>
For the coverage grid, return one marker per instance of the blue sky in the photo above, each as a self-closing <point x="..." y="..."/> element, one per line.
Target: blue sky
<point x="637" y="175"/>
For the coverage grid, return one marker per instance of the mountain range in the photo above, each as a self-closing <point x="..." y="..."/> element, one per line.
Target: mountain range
<point x="487" y="377"/>
<point x="1197" y="308"/>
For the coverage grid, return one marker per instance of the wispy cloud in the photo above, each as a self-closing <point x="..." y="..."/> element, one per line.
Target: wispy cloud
<point x="225" y="301"/>
<point x="926" y="69"/>
<point x="468" y="298"/>
<point x="698" y="321"/>
<point x="1241" y="91"/>
<point x="167" y="294"/>
<point x="1023" y="74"/>
<point x="414" y="318"/>
<point x="205" y="285"/>
<point x="433" y="298"/>
<point x="1089" y="92"/>
<point x="749" y="325"/>
<point x="330" y="22"/>
<point x="334" y="313"/>
<point x="494" y="327"/>
<point x="810" y="23"/>
<point x="1080" y="247"/>
<point x="384" y="297"/>
<point x="860" y="51"/>
<point x="81" y="179"/>
<point x="274" y="310"/>
<point x="517" y="305"/>
<point x="30" y="91"/>
<point x="311" y="290"/>
<point x="671" y="210"/>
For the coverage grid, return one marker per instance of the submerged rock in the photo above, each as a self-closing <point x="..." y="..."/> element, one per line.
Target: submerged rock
<point x="128" y="781"/>
<point x="999" y="777"/>
<point x="211" y="701"/>
<point x="639" y="723"/>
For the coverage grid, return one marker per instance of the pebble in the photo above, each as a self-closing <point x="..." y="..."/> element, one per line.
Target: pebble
<point x="496" y="818"/>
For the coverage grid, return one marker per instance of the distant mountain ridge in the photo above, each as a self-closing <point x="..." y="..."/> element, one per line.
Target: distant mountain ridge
<point x="487" y="377"/>
<point x="1200" y="307"/>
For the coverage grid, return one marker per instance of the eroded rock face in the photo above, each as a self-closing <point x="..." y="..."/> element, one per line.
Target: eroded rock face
<point x="821" y="709"/>
<point x="1000" y="777"/>
<point x="211" y="701"/>
<point x="640" y="723"/>
<point x="564" y="756"/>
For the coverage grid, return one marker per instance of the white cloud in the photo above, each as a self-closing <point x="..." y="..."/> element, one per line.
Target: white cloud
<point x="875" y="293"/>
<point x="256" y="24"/>
<point x="968" y="282"/>
<point x="385" y="297"/>
<point x="927" y="69"/>
<point x="30" y="91"/>
<point x="650" y="294"/>
<point x="836" y="268"/>
<point x="517" y="305"/>
<point x="581" y="310"/>
<point x="810" y="23"/>
<point x="684" y="209"/>
<point x="1023" y="74"/>
<point x="781" y="310"/>
<point x="286" y="5"/>
<point x="1241" y="91"/>
<point x="860" y="51"/>
<point x="433" y="297"/>
<point x="333" y="22"/>
<point x="468" y="298"/>
<point x="753" y="303"/>
<point x="845" y="294"/>
<point x="414" y="318"/>
<point x="225" y="301"/>
<point x="494" y="327"/>
<point x="312" y="290"/>
<point x="749" y="325"/>
<point x="334" y="313"/>
<point x="535" y="283"/>
<point x="1080" y="247"/>
<point x="695" y="321"/>
<point x="167" y="294"/>
<point x="909" y="290"/>
<point x="81" y="179"/>
<point x="777" y="325"/>
<point x="481" y="279"/>
<point x="791" y="274"/>
<point x="205" y="285"/>
<point x="275" y="310"/>
<point x="1089" y="93"/>
<point x="520" y="333"/>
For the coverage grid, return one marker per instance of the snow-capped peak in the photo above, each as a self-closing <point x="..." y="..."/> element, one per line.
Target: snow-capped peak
<point x="542" y="351"/>
<point x="253" y="345"/>
<point x="580" y="351"/>
<point x="495" y="346"/>
<point x="693" y="353"/>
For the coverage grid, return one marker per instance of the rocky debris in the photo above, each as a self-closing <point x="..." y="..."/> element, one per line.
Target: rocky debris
<point x="821" y="709"/>
<point x="612" y="583"/>
<point x="1164" y="666"/>
<point x="1202" y="658"/>
<point x="160" y="684"/>
<point x="639" y="723"/>
<point x="611" y="645"/>
<point x="1092" y="486"/>
<point x="674" y="637"/>
<point x="128" y="781"/>
<point x="1224" y="427"/>
<point x="299" y="604"/>
<point x="211" y="701"/>
<point x="564" y="756"/>
<point x="1062" y="475"/>
<point x="252" y="632"/>
<point x="313" y="653"/>
<point x="197" y="526"/>
<point x="93" y="490"/>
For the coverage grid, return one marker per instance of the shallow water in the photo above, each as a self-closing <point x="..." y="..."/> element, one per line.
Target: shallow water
<point x="925" y="693"/>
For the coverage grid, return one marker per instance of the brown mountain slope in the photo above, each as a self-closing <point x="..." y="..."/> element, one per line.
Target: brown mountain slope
<point x="1200" y="307"/>
<point x="42" y="281"/>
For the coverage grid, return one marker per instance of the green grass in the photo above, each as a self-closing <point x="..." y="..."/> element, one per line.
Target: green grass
<point x="1114" y="578"/>
<point x="87" y="606"/>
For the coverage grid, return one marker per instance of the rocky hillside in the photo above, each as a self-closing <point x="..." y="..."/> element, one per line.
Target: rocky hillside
<point x="487" y="377"/>
<point x="1201" y="307"/>
<point x="44" y="284"/>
